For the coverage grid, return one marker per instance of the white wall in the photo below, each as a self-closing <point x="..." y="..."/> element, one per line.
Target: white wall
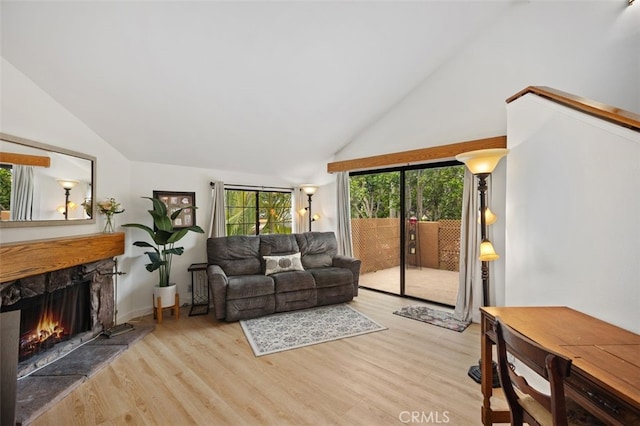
<point x="590" y="50"/>
<point x="573" y="197"/>
<point x="30" y="113"/>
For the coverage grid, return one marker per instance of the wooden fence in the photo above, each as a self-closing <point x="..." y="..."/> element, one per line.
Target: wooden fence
<point x="377" y="243"/>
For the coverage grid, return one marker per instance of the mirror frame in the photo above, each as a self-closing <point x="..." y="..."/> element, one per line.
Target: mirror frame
<point x="33" y="223"/>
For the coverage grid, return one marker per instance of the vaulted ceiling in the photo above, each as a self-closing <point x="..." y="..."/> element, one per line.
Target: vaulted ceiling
<point x="234" y="85"/>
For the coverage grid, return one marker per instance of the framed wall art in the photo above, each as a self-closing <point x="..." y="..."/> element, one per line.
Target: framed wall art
<point x="179" y="200"/>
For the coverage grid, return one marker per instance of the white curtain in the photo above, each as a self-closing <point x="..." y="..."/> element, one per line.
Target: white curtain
<point x="300" y="225"/>
<point x="345" y="243"/>
<point x="217" y="227"/>
<point x="470" y="288"/>
<point x="22" y="192"/>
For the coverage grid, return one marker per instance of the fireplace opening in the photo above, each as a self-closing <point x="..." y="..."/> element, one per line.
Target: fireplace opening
<point x="52" y="318"/>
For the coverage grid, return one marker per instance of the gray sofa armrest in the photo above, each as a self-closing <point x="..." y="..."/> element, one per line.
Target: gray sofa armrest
<point x="351" y="263"/>
<point x="218" y="285"/>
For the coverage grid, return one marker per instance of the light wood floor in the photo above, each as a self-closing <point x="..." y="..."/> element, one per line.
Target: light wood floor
<point x="200" y="371"/>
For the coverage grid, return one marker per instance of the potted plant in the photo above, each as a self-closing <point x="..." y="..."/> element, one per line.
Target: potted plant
<point x="164" y="237"/>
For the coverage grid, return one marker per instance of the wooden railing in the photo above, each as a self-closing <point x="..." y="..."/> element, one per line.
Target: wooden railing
<point x="597" y="109"/>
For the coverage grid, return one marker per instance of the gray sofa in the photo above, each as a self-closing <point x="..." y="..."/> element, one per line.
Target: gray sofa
<point x="251" y="276"/>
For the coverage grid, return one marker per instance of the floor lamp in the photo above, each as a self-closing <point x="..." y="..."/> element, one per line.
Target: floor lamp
<point x="68" y="185"/>
<point x="309" y="190"/>
<point x="482" y="163"/>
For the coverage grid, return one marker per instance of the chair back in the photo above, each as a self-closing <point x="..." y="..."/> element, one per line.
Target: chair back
<point x="526" y="403"/>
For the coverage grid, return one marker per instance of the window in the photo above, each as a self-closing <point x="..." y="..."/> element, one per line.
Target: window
<point x="250" y="212"/>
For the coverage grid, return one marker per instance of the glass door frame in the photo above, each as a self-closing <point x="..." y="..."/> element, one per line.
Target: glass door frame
<point x="403" y="212"/>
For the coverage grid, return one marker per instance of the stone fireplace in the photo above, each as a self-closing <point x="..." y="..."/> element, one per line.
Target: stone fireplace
<point x="52" y="271"/>
<point x="60" y="310"/>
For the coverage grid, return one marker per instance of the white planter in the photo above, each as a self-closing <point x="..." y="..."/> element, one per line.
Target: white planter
<point x="167" y="296"/>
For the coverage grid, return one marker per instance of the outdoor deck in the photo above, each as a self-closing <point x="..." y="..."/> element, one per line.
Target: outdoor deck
<point x="435" y="285"/>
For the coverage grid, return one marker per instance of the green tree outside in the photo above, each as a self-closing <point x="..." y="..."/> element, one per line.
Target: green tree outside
<point x="272" y="217"/>
<point x="432" y="194"/>
<point x="5" y="189"/>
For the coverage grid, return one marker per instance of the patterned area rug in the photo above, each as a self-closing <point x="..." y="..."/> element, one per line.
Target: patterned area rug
<point x="290" y="330"/>
<point x="432" y="316"/>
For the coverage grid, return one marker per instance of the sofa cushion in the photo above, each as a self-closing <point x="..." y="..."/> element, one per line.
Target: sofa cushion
<point x="331" y="295"/>
<point x="293" y="281"/>
<point x="278" y="244"/>
<point x="243" y="286"/>
<point x="331" y="277"/>
<point x="236" y="255"/>
<point x="250" y="307"/>
<point x="293" y="300"/>
<point x="289" y="262"/>
<point x="317" y="248"/>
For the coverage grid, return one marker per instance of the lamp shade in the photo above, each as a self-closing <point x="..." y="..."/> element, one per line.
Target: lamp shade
<point x="316" y="217"/>
<point x="483" y="160"/>
<point x="489" y="217"/>
<point x="309" y="189"/>
<point x="487" y="252"/>
<point x="67" y="183"/>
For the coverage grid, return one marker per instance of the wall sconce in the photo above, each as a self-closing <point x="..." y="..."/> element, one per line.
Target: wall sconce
<point x="309" y="190"/>
<point x="67" y="184"/>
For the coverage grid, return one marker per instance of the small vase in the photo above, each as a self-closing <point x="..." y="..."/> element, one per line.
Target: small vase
<point x="109" y="226"/>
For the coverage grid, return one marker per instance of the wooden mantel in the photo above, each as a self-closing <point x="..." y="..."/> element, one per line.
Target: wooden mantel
<point x="28" y="258"/>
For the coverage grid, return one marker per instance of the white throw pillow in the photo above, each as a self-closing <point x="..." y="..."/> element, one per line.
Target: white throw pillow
<point x="290" y="262"/>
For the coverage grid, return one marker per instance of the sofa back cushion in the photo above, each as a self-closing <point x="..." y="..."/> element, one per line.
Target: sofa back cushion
<point x="278" y="244"/>
<point x="317" y="249"/>
<point x="236" y="255"/>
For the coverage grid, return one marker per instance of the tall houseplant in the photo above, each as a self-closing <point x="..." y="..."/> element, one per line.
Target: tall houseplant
<point x="164" y="237"/>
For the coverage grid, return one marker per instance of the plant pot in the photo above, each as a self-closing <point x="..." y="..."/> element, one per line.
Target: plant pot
<point x="167" y="296"/>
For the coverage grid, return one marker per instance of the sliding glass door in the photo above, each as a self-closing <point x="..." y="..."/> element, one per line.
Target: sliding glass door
<point x="375" y="225"/>
<point x="406" y="230"/>
<point x="433" y="206"/>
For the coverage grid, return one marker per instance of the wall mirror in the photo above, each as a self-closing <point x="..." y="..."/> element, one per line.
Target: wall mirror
<point x="44" y="185"/>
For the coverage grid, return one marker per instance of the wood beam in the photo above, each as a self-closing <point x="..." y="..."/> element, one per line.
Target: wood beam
<point x="24" y="259"/>
<point x="416" y="156"/>
<point x="24" y="159"/>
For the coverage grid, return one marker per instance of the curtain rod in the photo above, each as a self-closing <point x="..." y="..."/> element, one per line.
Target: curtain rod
<point x="253" y="186"/>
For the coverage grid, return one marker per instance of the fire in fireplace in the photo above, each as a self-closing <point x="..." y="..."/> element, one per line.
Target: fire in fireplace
<point x="51" y="318"/>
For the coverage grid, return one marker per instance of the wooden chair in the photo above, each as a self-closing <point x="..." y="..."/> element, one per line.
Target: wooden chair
<point x="526" y="403"/>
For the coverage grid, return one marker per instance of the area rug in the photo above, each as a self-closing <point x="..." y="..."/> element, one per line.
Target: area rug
<point x="433" y="316"/>
<point x="290" y="330"/>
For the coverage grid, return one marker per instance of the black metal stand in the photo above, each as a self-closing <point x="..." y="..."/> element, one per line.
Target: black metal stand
<point x="310" y="219"/>
<point x="474" y="371"/>
<point x="199" y="289"/>
<point x="117" y="329"/>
